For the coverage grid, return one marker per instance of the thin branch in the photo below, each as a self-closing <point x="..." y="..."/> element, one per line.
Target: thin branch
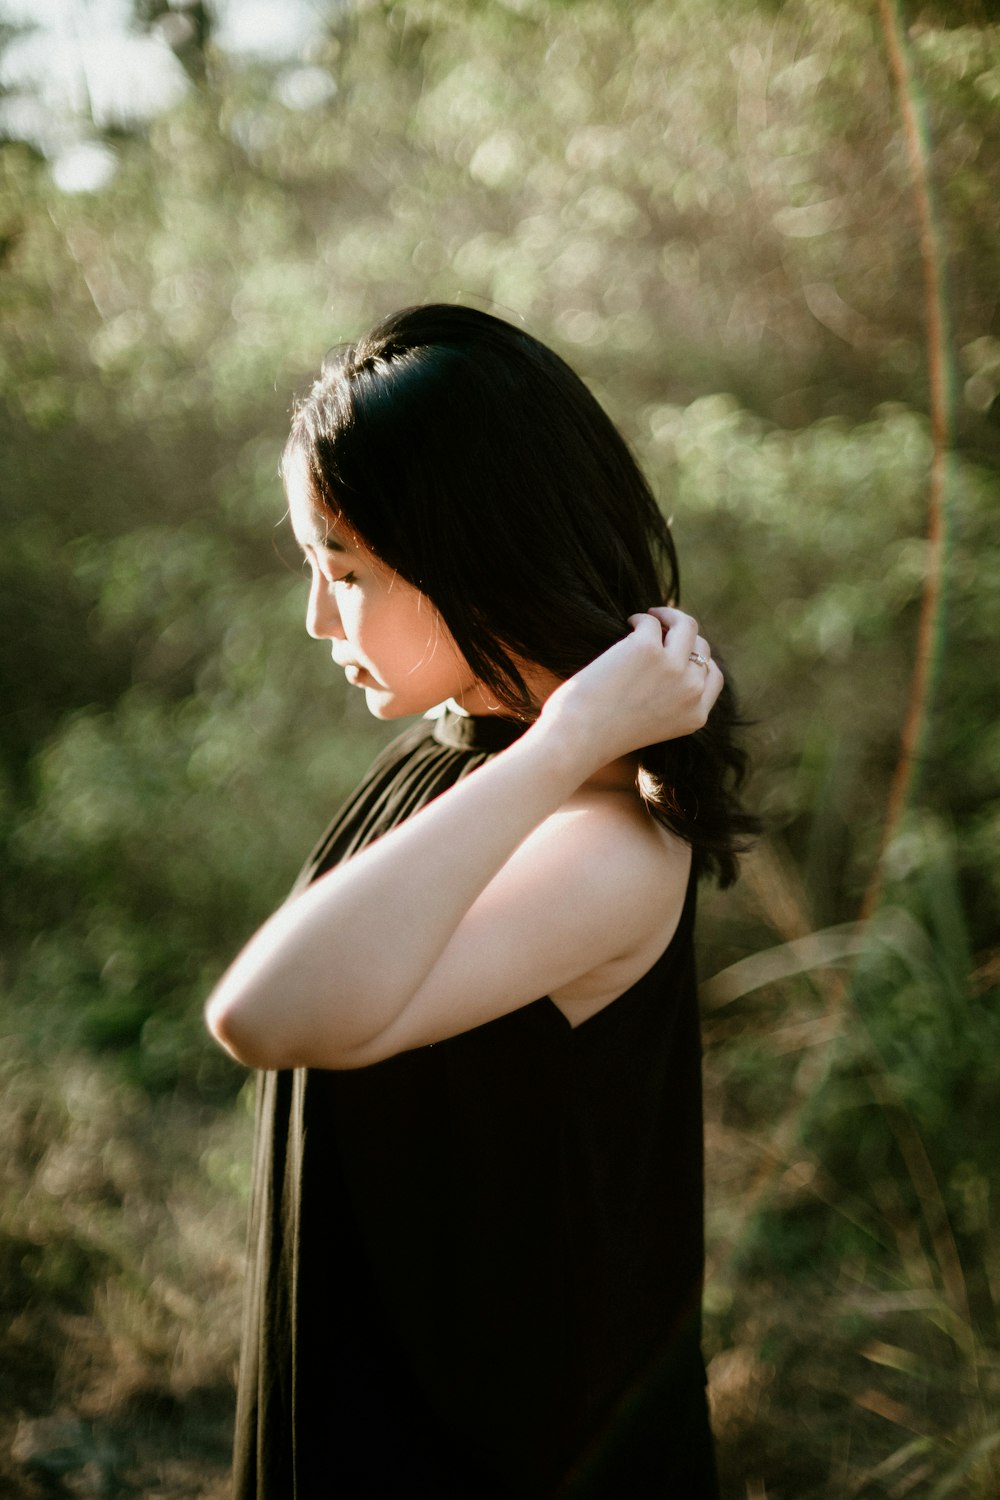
<point x="921" y="682"/>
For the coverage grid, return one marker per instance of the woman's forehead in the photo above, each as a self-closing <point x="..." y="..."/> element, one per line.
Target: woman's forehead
<point x="311" y="522"/>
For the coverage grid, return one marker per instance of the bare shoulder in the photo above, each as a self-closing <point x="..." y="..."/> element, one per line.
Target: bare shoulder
<point x="629" y="868"/>
<point x="614" y="834"/>
<point x="579" y="912"/>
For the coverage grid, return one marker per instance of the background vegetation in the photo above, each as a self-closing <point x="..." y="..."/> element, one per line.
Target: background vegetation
<point x="717" y="214"/>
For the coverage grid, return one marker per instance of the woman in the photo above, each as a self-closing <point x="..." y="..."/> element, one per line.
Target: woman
<point x="476" y="1235"/>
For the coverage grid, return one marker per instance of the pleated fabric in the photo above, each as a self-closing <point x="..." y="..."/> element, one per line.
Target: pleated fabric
<point x="475" y="1268"/>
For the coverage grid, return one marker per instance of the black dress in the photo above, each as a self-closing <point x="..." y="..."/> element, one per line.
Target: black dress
<point x="475" y="1268"/>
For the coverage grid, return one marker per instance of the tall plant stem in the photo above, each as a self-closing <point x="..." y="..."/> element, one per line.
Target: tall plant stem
<point x="921" y="682"/>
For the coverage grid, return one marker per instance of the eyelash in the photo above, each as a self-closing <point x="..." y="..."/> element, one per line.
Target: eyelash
<point x="348" y="578"/>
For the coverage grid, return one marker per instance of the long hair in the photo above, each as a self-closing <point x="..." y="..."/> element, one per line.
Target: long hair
<point x="472" y="460"/>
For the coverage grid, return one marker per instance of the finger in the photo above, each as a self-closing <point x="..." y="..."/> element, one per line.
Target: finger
<point x="671" y="618"/>
<point x="701" y="652"/>
<point x="645" y="625"/>
<point x="676" y="631"/>
<point x="681" y="634"/>
<point x="668" y="613"/>
<point x="714" y="682"/>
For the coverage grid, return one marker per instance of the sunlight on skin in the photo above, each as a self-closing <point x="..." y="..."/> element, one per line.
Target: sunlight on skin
<point x="383" y="633"/>
<point x="440" y="639"/>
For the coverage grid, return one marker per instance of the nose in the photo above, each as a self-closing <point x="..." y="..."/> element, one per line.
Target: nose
<point x="323" y="621"/>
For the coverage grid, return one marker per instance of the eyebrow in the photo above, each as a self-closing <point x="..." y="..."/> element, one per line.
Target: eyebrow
<point x="329" y="543"/>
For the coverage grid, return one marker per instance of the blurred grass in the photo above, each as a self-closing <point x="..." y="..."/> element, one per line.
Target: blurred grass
<point x="854" y="1265"/>
<point x="121" y="1234"/>
<point x="853" y="1256"/>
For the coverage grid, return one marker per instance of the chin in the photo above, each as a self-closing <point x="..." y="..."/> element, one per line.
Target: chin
<point x="383" y="704"/>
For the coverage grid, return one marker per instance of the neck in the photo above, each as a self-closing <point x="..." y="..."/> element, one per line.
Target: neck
<point x="477" y="698"/>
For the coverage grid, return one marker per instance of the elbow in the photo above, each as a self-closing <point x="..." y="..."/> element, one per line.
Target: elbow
<point x="243" y="1034"/>
<point x="260" y="1040"/>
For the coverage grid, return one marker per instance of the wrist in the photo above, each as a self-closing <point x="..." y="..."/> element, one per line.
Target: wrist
<point x="559" y="738"/>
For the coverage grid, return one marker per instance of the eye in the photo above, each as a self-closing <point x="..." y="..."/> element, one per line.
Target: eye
<point x="347" y="578"/>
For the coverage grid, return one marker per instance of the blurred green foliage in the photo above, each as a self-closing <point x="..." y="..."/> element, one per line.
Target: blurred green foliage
<point x="709" y="211"/>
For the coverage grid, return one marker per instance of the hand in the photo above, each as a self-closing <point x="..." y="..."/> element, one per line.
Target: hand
<point x="644" y="689"/>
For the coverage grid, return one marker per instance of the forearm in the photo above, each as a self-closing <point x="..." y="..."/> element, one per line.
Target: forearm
<point x="333" y="970"/>
<point x="343" y="959"/>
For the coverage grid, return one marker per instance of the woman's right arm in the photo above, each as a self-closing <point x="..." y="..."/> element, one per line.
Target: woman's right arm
<point x="492" y="895"/>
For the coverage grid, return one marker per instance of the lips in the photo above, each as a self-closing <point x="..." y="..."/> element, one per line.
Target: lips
<point x="359" y="676"/>
<point x="356" y="675"/>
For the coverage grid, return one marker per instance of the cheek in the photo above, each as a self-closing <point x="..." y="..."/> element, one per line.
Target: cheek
<point x="436" y="639"/>
<point x="392" y="633"/>
<point x="361" y="619"/>
<point x="416" y="637"/>
<point x="399" y="631"/>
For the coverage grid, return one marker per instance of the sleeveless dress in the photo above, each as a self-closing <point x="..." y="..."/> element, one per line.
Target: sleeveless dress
<point x="475" y="1268"/>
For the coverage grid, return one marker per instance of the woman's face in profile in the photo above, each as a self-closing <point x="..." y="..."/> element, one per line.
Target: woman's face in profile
<point x="389" y="638"/>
